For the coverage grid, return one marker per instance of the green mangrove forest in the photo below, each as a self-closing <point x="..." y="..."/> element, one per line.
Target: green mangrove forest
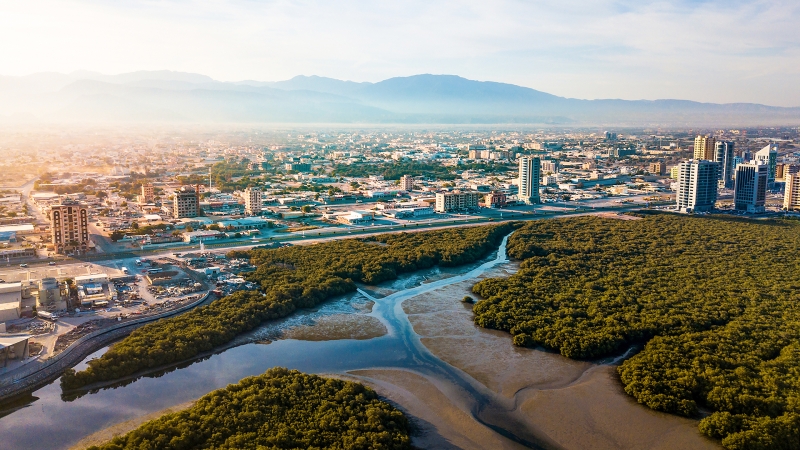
<point x="714" y="301"/>
<point x="289" y="278"/>
<point x="280" y="409"/>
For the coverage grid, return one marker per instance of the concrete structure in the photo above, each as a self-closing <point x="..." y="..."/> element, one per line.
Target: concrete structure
<point x="704" y="148"/>
<point x="252" y="201"/>
<point x="529" y="179"/>
<point x="355" y="218"/>
<point x="148" y="195"/>
<point x="658" y="168"/>
<point x="186" y="203"/>
<point x="697" y="186"/>
<point x="69" y="227"/>
<point x="407" y="183"/>
<point x="410" y="212"/>
<point x="51" y="295"/>
<point x="10" y="301"/>
<point x="549" y="166"/>
<point x="94" y="290"/>
<point x="297" y="167"/>
<point x="456" y="201"/>
<point x="769" y="156"/>
<point x="750" y="193"/>
<point x="194" y="237"/>
<point x="791" y="196"/>
<point x="246" y="223"/>
<point x="13" y="347"/>
<point x="495" y="200"/>
<point x="723" y="154"/>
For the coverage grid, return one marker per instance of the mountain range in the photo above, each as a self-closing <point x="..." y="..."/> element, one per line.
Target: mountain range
<point x="165" y="96"/>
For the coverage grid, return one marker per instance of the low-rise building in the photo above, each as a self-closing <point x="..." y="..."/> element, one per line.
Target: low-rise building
<point x="495" y="199"/>
<point x="355" y="218"/>
<point x="10" y="301"/>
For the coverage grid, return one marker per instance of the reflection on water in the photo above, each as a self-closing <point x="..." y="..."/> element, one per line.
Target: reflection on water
<point x="48" y="421"/>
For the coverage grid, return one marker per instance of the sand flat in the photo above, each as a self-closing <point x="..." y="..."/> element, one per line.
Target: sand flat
<point x="441" y="423"/>
<point x="338" y="326"/>
<point x="595" y="413"/>
<point x="576" y="404"/>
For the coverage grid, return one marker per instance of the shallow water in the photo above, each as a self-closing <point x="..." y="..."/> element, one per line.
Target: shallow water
<point x="49" y="421"/>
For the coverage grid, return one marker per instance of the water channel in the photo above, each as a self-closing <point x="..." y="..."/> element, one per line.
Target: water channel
<point x="48" y="421"/>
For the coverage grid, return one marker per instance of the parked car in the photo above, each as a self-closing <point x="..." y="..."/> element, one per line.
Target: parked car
<point x="23" y="265"/>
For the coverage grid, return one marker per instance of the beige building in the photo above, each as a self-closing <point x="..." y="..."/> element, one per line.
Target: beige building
<point x="657" y="168"/>
<point x="252" y="201"/>
<point x="10" y="301"/>
<point x="407" y="183"/>
<point x="704" y="148"/>
<point x="186" y="203"/>
<point x="148" y="195"/>
<point x="457" y="201"/>
<point x="51" y="295"/>
<point x="69" y="227"/>
<point x="791" y="197"/>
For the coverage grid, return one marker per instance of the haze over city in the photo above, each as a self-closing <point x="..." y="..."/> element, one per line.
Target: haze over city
<point x="709" y="51"/>
<point x="295" y="224"/>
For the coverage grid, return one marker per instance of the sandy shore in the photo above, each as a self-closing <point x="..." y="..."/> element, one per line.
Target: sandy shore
<point x="576" y="404"/>
<point x="106" y="434"/>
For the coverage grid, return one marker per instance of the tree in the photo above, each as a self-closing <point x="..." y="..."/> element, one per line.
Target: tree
<point x="306" y="209"/>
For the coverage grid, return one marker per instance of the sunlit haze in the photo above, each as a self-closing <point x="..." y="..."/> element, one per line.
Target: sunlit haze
<point x="715" y="51"/>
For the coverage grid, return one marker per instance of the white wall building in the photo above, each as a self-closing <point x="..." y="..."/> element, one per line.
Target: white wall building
<point x="697" y="185"/>
<point x="529" y="179"/>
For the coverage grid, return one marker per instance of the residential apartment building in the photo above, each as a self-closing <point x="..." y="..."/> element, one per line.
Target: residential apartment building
<point x="697" y="185"/>
<point x="791" y="196"/>
<point x="549" y="166"/>
<point x="69" y="227"/>
<point x="704" y="148"/>
<point x="457" y="201"/>
<point x="723" y="154"/>
<point x="495" y="199"/>
<point x="148" y="194"/>
<point x="658" y="168"/>
<point x="529" y="179"/>
<point x="407" y="183"/>
<point x="750" y="193"/>
<point x="782" y="170"/>
<point x="252" y="201"/>
<point x="186" y="202"/>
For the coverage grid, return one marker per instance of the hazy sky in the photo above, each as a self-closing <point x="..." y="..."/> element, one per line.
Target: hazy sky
<point x="714" y="50"/>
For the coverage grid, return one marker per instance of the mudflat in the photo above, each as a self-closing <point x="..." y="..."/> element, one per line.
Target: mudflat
<point x="575" y="404"/>
<point x="338" y="326"/>
<point x="439" y="420"/>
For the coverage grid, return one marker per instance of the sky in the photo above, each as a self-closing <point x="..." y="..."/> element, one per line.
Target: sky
<point x="720" y="51"/>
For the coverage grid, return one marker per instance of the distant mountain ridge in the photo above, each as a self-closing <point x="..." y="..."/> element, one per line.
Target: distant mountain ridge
<point x="166" y="96"/>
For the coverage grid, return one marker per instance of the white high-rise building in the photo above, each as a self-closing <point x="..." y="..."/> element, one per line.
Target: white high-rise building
<point x="252" y="201"/>
<point x="529" y="176"/>
<point x="723" y="154"/>
<point x="750" y="194"/>
<point x="769" y="156"/>
<point x="697" y="185"/>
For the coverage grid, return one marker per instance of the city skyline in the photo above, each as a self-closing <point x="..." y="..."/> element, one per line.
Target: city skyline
<point x="703" y="51"/>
